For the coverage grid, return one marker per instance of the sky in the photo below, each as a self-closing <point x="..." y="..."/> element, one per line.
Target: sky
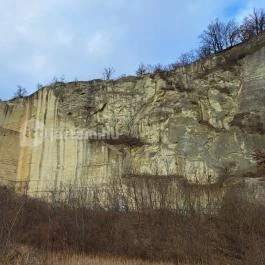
<point x="77" y="39"/>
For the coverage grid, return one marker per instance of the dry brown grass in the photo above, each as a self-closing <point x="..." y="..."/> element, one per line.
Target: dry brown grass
<point x="235" y="234"/>
<point x="23" y="255"/>
<point x="97" y="260"/>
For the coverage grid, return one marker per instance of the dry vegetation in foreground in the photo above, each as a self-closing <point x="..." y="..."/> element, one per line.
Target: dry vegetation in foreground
<point x="79" y="231"/>
<point x="22" y="255"/>
<point x="233" y="235"/>
<point x="85" y="260"/>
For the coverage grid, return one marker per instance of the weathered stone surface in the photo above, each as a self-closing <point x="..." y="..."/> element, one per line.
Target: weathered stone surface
<point x="191" y="122"/>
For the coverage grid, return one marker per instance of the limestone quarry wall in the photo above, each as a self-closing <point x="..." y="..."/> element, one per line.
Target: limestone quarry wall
<point x="191" y="123"/>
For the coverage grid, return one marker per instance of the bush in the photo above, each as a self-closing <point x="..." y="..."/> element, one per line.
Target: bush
<point x="108" y="73"/>
<point x="143" y="70"/>
<point x="233" y="235"/>
<point x="20" y="93"/>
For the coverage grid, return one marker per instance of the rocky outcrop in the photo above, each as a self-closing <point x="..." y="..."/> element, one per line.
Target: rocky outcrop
<point x="194" y="123"/>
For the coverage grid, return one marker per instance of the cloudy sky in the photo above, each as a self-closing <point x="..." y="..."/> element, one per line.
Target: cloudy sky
<point x="41" y="39"/>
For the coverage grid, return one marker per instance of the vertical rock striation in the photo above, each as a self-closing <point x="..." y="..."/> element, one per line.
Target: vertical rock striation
<point x="193" y="123"/>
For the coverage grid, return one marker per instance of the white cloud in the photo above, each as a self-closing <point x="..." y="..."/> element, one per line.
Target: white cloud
<point x="80" y="37"/>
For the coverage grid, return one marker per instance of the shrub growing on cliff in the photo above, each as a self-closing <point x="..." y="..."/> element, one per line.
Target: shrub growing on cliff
<point x="158" y="68"/>
<point x="253" y="25"/>
<point x="20" y="92"/>
<point x="219" y="36"/>
<point x="143" y="70"/>
<point x="108" y="73"/>
<point x="186" y="58"/>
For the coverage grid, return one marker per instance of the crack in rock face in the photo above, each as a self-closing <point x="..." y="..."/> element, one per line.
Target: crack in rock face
<point x="192" y="122"/>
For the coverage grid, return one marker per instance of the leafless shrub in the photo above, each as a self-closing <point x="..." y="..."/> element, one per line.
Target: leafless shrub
<point x="172" y="66"/>
<point x="143" y="69"/>
<point x="158" y="68"/>
<point x="203" y="51"/>
<point x="152" y="229"/>
<point x="253" y="25"/>
<point x="186" y="58"/>
<point x="20" y="92"/>
<point x="108" y="73"/>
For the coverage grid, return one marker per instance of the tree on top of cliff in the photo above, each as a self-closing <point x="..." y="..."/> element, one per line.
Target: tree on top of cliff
<point x="144" y="69"/>
<point x="20" y="92"/>
<point x="219" y="36"/>
<point x="187" y="58"/>
<point x="253" y="25"/>
<point x="108" y="73"/>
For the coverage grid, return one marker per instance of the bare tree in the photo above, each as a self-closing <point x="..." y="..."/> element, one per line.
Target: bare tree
<point x="172" y="66"/>
<point x="144" y="69"/>
<point x="231" y="33"/>
<point x="158" y="68"/>
<point x="211" y="37"/>
<point x="253" y="25"/>
<point x="141" y="70"/>
<point x="186" y="58"/>
<point x="219" y="36"/>
<point x="108" y="73"/>
<point x="246" y="32"/>
<point x="55" y="80"/>
<point x="21" y="92"/>
<point x="204" y="51"/>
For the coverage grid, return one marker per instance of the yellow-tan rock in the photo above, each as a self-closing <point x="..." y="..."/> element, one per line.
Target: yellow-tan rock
<point x="193" y="122"/>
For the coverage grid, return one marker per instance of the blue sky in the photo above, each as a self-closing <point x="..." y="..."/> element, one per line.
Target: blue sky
<point x="78" y="38"/>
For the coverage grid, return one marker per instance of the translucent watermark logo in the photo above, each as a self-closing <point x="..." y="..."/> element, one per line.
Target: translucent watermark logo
<point x="33" y="133"/>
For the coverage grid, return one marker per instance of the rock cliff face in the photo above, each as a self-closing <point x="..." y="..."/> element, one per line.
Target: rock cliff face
<point x="194" y="123"/>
